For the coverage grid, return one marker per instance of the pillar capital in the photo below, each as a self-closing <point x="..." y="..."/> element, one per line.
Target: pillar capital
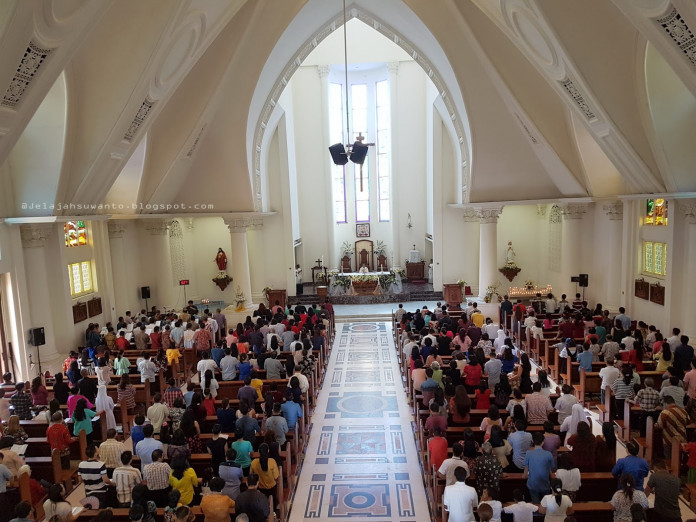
<point x="393" y="67"/>
<point x="157" y="227"/>
<point x="116" y="229"/>
<point x="614" y="210"/>
<point x="35" y="235"/>
<point x="573" y="210"/>
<point x="541" y="211"/>
<point x="323" y="71"/>
<point x="238" y="225"/>
<point x="483" y="215"/>
<point x="687" y="208"/>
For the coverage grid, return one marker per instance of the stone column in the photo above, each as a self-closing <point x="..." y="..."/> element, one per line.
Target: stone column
<point x="396" y="254"/>
<point x="323" y="72"/>
<point x="257" y="250"/>
<point x="488" y="247"/>
<point x="239" y="255"/>
<point x="612" y="258"/>
<point x="571" y="248"/>
<point x="162" y="291"/>
<point x="41" y="297"/>
<point x="118" y="266"/>
<point x="687" y="209"/>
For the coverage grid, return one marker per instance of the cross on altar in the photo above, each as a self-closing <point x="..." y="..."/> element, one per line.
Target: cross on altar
<point x="318" y="262"/>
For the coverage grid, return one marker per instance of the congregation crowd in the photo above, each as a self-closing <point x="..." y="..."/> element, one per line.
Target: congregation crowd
<point x="487" y="412"/>
<point x="249" y="433"/>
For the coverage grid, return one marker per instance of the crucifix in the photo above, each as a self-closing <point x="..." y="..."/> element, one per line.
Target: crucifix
<point x="318" y="262"/>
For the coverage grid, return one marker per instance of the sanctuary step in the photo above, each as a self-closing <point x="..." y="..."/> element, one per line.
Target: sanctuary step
<point x="307" y="299"/>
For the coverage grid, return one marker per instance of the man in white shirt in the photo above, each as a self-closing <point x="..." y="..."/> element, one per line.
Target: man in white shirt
<point x="530" y="320"/>
<point x="521" y="511"/>
<point x="228" y="366"/>
<point x="147" y="369"/>
<point x="409" y="346"/>
<point x="493" y="368"/>
<point x="550" y="304"/>
<point x="206" y="363"/>
<point x="157" y="413"/>
<point x="399" y="314"/>
<point x="491" y="329"/>
<point x="449" y="466"/>
<point x="564" y="404"/>
<point x="459" y="499"/>
<point x="608" y="374"/>
<point x="675" y="339"/>
<point x="304" y="382"/>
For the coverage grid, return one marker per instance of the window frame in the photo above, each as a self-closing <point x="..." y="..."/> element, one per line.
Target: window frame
<point x="84" y="268"/>
<point x="650" y="255"/>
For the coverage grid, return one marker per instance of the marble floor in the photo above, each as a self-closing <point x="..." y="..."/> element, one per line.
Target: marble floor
<point x="361" y="462"/>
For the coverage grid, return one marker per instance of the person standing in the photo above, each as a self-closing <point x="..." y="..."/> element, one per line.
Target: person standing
<point x="673" y="420"/>
<point x="93" y="474"/>
<point x="156" y="477"/>
<point x="636" y="466"/>
<point x="556" y="505"/>
<point x="126" y="477"/>
<point x="252" y="502"/>
<point x="666" y="488"/>
<point x="298" y="280"/>
<point x="538" y="466"/>
<point x="459" y="499"/>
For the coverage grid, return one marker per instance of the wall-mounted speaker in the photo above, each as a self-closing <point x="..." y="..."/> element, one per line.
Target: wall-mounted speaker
<point x="145" y="292"/>
<point x="37" y="337"/>
<point x="584" y="280"/>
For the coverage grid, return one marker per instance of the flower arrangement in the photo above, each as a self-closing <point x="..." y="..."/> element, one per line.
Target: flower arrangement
<point x="491" y="290"/>
<point x="341" y="280"/>
<point x="529" y="284"/>
<point x="265" y="291"/>
<point x="239" y="299"/>
<point x="398" y="272"/>
<point x="462" y="283"/>
<point x="320" y="277"/>
<point x="347" y="249"/>
<point x="222" y="281"/>
<point x="380" y="249"/>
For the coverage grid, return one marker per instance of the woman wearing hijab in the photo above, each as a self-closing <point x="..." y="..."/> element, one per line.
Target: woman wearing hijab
<point x="570" y="424"/>
<point x="499" y="342"/>
<point x="106" y="404"/>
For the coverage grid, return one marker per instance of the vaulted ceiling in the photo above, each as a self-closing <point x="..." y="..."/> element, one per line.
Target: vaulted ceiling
<point x="162" y="102"/>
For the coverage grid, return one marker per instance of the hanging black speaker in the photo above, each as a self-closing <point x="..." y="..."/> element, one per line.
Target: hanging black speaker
<point x="359" y="153"/>
<point x="584" y="280"/>
<point x="145" y="292"/>
<point x="338" y="154"/>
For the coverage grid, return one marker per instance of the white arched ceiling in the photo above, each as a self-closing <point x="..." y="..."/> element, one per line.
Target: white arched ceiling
<point x="673" y="111"/>
<point x="35" y="161"/>
<point x="318" y="19"/>
<point x="122" y="194"/>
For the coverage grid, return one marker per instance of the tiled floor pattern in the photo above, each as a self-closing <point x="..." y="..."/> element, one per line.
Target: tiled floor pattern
<point x="361" y="461"/>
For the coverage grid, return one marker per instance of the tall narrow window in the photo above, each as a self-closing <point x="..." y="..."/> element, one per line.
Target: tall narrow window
<point x="362" y="197"/>
<point x="336" y="136"/>
<point x="80" y="278"/>
<point x="383" y="149"/>
<point x="655" y="258"/>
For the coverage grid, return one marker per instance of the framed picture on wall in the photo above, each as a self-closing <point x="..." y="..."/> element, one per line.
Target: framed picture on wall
<point x="79" y="311"/>
<point x="362" y="230"/>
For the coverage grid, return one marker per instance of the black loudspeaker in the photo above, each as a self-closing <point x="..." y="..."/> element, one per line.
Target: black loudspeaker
<point x="145" y="292"/>
<point x="359" y="153"/>
<point x="584" y="280"/>
<point x="338" y="154"/>
<point x="37" y="337"/>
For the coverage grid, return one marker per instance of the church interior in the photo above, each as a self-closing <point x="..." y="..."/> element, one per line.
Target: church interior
<point x="512" y="147"/>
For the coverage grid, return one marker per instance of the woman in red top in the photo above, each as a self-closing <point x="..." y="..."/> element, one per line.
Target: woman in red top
<point x="460" y="406"/>
<point x="635" y="356"/>
<point x="472" y="374"/>
<point x="584" y="445"/>
<point x="483" y="397"/>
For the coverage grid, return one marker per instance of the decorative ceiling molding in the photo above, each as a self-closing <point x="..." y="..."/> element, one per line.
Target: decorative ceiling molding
<point x="614" y="210"/>
<point x="482" y="214"/>
<point x="35" y="235"/>
<point x="196" y="22"/>
<point x="680" y="33"/>
<point x="157" y="227"/>
<point x="116" y="229"/>
<point x="309" y="45"/>
<point x="524" y="24"/>
<point x="573" y="210"/>
<point x="27" y="71"/>
<point x="688" y="210"/>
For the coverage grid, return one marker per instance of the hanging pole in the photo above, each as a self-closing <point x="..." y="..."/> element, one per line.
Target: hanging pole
<point x="345" y="65"/>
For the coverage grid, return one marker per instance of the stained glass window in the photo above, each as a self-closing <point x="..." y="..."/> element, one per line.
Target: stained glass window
<point x="75" y="233"/>
<point x="656" y="212"/>
<point x="80" y="278"/>
<point x="655" y="258"/>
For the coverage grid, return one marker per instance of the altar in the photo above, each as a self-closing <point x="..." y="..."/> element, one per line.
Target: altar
<point x="369" y="283"/>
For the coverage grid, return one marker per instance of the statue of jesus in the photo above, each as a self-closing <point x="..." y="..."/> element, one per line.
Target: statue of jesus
<point x="221" y="260"/>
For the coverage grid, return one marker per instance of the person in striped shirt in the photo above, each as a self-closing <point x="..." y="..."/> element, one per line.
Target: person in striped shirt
<point x="673" y="421"/>
<point x="93" y="474"/>
<point x="126" y="477"/>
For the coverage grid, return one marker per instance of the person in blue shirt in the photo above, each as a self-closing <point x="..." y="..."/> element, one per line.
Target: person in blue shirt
<point x="538" y="466"/>
<point x="291" y="411"/>
<point x="520" y="441"/>
<point x="632" y="464"/>
<point x="188" y="396"/>
<point x="585" y="358"/>
<point x="147" y="445"/>
<point x="137" y="431"/>
<point x="217" y="353"/>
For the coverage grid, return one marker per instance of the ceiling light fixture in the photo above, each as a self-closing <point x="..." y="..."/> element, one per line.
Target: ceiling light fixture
<point x="356" y="152"/>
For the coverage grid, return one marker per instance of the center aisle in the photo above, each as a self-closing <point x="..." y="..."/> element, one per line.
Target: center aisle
<point x="361" y="462"/>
